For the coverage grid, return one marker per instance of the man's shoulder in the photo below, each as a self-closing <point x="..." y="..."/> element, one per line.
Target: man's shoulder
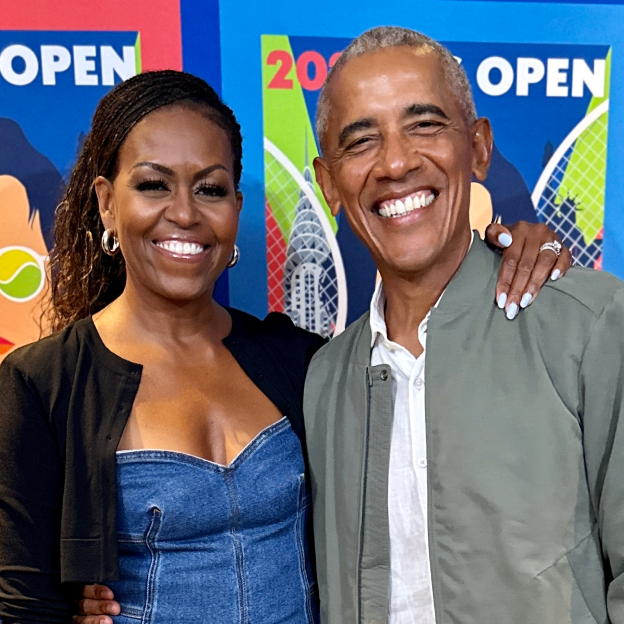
<point x="583" y="291"/>
<point x="344" y="345"/>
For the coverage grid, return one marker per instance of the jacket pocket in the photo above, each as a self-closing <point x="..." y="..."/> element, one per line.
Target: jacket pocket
<point x="575" y="584"/>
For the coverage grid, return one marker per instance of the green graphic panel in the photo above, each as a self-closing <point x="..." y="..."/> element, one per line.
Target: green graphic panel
<point x="584" y="180"/>
<point x="287" y="125"/>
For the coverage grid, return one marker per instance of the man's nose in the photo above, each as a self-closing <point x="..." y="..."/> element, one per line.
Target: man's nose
<point x="182" y="210"/>
<point x="397" y="157"/>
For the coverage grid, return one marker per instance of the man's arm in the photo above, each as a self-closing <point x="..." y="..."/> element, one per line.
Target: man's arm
<point x="602" y="409"/>
<point x="31" y="482"/>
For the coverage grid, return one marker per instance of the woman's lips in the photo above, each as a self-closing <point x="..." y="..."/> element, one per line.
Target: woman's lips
<point x="5" y="345"/>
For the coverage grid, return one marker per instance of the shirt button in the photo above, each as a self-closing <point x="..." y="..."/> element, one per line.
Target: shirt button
<point x="384" y="375"/>
<point x="422" y="462"/>
<point x="260" y="376"/>
<point x="419" y="383"/>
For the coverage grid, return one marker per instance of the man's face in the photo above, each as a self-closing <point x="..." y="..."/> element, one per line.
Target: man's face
<point x="399" y="156"/>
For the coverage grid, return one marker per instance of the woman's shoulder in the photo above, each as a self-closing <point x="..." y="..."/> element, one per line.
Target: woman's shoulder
<point x="276" y="331"/>
<point x="40" y="360"/>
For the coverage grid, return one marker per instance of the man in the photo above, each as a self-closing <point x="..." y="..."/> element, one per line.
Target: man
<point x="465" y="469"/>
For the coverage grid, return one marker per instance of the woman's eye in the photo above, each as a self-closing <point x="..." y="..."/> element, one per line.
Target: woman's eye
<point x="152" y="185"/>
<point x="212" y="190"/>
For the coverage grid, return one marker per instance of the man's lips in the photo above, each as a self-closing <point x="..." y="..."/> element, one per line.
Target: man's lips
<point x="5" y="345"/>
<point x="401" y="206"/>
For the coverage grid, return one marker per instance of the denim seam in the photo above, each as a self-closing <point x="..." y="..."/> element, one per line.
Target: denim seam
<point x="150" y="540"/>
<point x="238" y="549"/>
<point x="305" y="581"/>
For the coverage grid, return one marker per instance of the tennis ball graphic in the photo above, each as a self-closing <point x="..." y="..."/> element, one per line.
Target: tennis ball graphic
<point x="21" y="274"/>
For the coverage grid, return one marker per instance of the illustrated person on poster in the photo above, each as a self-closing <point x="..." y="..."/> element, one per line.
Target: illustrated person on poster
<point x="29" y="190"/>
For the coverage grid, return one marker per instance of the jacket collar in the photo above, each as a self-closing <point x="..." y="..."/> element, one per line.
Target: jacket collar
<point x="473" y="283"/>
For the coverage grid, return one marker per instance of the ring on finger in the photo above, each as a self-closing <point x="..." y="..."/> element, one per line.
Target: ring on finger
<point x="555" y="247"/>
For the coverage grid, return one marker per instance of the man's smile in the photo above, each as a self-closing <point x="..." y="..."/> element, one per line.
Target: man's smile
<point x="399" y="207"/>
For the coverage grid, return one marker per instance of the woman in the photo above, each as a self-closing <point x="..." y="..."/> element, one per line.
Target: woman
<point x="154" y="442"/>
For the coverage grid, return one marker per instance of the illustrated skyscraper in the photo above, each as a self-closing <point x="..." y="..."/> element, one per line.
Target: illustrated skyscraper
<point x="310" y="293"/>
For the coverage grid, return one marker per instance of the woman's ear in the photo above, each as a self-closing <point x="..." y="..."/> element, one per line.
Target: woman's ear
<point x="324" y="179"/>
<point x="106" y="201"/>
<point x="482" y="141"/>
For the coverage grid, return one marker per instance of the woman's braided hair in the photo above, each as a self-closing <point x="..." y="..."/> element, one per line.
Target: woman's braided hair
<point x="84" y="279"/>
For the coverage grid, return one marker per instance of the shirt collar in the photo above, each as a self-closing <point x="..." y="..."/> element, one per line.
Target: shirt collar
<point x="379" y="330"/>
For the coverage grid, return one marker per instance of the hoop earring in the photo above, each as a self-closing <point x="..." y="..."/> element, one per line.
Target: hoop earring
<point x="235" y="257"/>
<point x="110" y="243"/>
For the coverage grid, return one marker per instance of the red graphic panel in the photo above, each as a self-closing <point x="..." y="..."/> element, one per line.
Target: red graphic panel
<point x="157" y="22"/>
<point x="276" y="261"/>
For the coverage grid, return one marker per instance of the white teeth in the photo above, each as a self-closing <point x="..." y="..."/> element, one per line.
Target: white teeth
<point x="181" y="249"/>
<point x="400" y="207"/>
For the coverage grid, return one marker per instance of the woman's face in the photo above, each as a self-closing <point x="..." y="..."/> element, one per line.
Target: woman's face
<point x="173" y="204"/>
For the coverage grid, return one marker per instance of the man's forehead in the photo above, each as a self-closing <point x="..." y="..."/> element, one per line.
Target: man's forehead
<point x="391" y="78"/>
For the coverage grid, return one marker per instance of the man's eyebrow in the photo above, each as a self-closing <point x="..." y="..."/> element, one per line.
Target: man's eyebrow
<point x="415" y="110"/>
<point x="360" y="124"/>
<point x="170" y="172"/>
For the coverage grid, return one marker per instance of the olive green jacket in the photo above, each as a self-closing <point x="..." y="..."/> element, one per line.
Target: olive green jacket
<point x="525" y="457"/>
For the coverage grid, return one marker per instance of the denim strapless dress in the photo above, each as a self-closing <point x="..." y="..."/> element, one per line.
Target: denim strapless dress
<point x="208" y="544"/>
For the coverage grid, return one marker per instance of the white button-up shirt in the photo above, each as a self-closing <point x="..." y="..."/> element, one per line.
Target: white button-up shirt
<point x="411" y="593"/>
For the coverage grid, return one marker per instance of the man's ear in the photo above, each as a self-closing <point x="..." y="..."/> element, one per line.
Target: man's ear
<point x="482" y="141"/>
<point x="324" y="179"/>
<point x="106" y="202"/>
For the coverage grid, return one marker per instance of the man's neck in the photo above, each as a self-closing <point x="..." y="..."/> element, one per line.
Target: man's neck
<point x="409" y="298"/>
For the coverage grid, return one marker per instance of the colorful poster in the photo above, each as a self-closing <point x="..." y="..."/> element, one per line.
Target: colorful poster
<point x="50" y="83"/>
<point x="549" y="108"/>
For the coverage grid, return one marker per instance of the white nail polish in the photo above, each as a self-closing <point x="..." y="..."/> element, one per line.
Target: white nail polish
<point x="512" y="310"/>
<point x="526" y="299"/>
<point x="504" y="239"/>
<point x="555" y="275"/>
<point x="502" y="300"/>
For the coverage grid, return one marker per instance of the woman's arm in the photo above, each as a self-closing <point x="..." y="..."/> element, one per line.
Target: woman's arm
<point x="31" y="487"/>
<point x="525" y="269"/>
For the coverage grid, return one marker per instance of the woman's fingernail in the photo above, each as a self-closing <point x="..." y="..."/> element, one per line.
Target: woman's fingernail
<point x="526" y="299"/>
<point x="555" y="274"/>
<point x="502" y="300"/>
<point x="512" y="310"/>
<point x="505" y="239"/>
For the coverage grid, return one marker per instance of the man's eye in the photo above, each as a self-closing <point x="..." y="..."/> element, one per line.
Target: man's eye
<point x="359" y="143"/>
<point x="426" y="125"/>
<point x="152" y="185"/>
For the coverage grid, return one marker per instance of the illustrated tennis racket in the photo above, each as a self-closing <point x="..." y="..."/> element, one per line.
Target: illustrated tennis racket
<point x="572" y="188"/>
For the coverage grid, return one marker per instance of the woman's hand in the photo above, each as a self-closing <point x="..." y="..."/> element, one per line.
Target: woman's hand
<point x="96" y="602"/>
<point x="525" y="269"/>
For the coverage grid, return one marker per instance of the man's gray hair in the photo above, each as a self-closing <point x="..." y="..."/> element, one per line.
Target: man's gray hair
<point x="393" y="37"/>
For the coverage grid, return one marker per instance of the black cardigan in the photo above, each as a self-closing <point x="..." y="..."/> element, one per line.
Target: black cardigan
<point x="64" y="402"/>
